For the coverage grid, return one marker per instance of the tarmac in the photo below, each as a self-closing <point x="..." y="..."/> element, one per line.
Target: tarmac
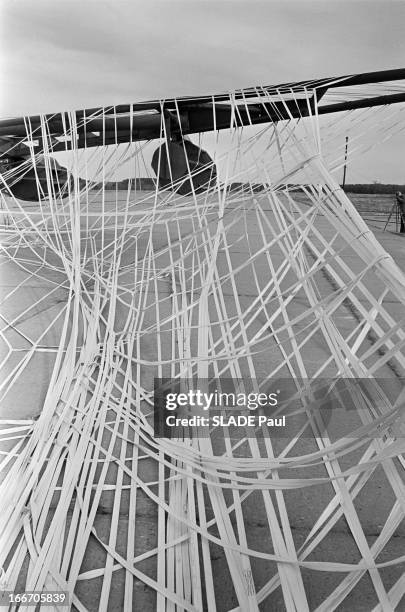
<point x="26" y="301"/>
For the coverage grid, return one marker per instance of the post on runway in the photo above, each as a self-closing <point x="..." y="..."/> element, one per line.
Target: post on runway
<point x="345" y="164"/>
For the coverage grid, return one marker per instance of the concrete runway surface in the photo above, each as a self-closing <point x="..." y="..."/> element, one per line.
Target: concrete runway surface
<point x="32" y="297"/>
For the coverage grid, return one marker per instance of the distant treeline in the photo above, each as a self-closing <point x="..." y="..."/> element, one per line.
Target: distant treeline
<point x="141" y="183"/>
<point x="149" y="184"/>
<point x="374" y="188"/>
<point x="249" y="187"/>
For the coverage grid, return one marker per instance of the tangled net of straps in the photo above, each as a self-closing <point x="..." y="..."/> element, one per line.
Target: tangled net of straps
<point x="244" y="262"/>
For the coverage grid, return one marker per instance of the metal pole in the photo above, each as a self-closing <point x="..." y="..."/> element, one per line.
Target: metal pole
<point x="344" y="167"/>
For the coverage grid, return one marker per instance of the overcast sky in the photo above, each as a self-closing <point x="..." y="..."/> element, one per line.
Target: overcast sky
<point x="66" y="54"/>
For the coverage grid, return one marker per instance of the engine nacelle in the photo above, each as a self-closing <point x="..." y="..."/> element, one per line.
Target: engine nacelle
<point x="28" y="177"/>
<point x="184" y="167"/>
<point x="31" y="183"/>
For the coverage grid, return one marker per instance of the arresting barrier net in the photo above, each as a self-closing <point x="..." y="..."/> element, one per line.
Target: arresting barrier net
<point x="245" y="260"/>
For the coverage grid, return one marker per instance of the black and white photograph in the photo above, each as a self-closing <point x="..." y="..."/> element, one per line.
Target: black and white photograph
<point x="202" y="305"/>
